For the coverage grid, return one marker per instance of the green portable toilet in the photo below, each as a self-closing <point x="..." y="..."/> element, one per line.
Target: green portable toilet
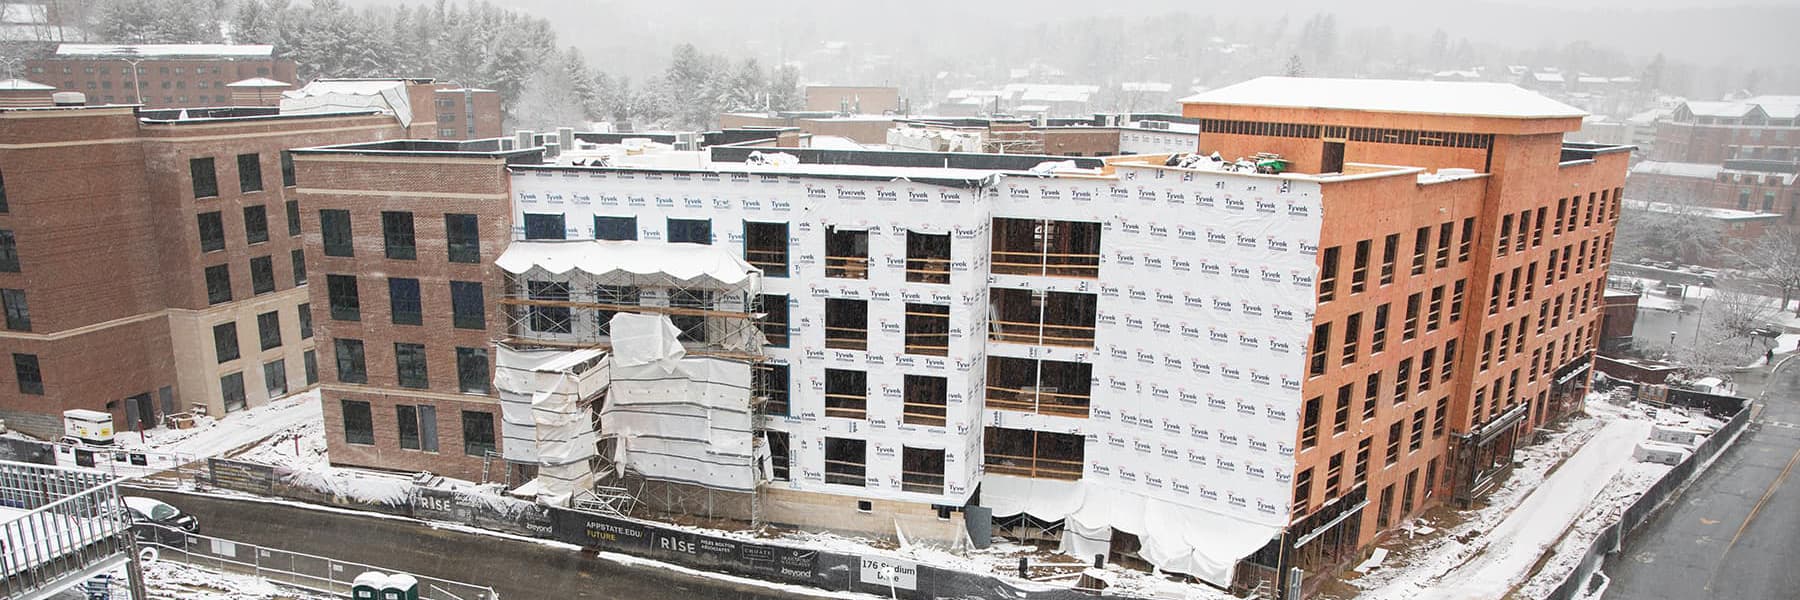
<point x="368" y="585"/>
<point x="400" y="586"/>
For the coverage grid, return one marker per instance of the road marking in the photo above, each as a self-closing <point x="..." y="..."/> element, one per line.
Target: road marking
<point x="1779" y="479"/>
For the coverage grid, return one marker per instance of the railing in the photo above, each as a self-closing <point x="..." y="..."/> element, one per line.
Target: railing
<point x="305" y="571"/>
<point x="1044" y="334"/>
<point x="922" y="482"/>
<point x="844" y="472"/>
<point x="928" y="270"/>
<point x="1050" y="264"/>
<point x="836" y="405"/>
<point x="846" y="338"/>
<point x="847" y="267"/>
<point x="61" y="526"/>
<point x="928" y="344"/>
<point x="772" y="262"/>
<point x="1038" y="401"/>
<point x="1033" y="466"/>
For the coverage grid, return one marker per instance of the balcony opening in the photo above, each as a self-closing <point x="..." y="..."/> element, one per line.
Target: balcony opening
<point x="846" y="461"/>
<point x="927" y="257"/>
<point x="1042" y="318"/>
<point x="1046" y="387"/>
<point x="1038" y="454"/>
<point x="922" y="470"/>
<point x="846" y="394"/>
<point x="766" y="247"/>
<point x="1047" y="248"/>
<point x="926" y="400"/>
<point x="846" y="253"/>
<point x="928" y="329"/>
<point x="846" y="324"/>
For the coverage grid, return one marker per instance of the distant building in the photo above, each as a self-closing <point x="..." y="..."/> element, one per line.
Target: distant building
<point x="853" y="99"/>
<point x="429" y="110"/>
<point x="151" y="260"/>
<point x="1757" y="128"/>
<point x="860" y="127"/>
<point x="1735" y="226"/>
<point x="168" y="75"/>
<point x="1741" y="185"/>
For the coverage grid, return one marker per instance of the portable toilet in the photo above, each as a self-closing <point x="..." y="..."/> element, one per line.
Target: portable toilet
<point x="400" y="586"/>
<point x="88" y="426"/>
<point x="368" y="585"/>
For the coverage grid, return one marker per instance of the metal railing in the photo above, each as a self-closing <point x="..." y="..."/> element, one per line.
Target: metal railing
<point x="60" y="527"/>
<point x="305" y="571"/>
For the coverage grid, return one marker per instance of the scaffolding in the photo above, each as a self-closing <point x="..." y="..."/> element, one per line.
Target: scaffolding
<point x="682" y="326"/>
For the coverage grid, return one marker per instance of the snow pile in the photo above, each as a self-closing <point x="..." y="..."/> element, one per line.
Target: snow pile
<point x="167" y="579"/>
<point x="365" y="487"/>
<point x="220" y="436"/>
<point x="299" y="447"/>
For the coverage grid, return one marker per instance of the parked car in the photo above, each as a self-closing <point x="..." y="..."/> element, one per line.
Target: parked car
<point x="157" y="521"/>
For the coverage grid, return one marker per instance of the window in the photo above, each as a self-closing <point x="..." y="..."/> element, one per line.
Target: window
<point x="1434" y="315"/>
<point x="1537" y="228"/>
<point x="298" y="257"/>
<point x="1416" y="440"/>
<point x="927" y="257"/>
<point x="846" y="324"/>
<point x="262" y="275"/>
<point x="305" y="313"/>
<point x="846" y="394"/>
<point x="1524" y="224"/>
<point x="477" y="433"/>
<point x="275" y="378"/>
<point x="1334" y="476"/>
<point x="1487" y="350"/>
<point x="472" y="370"/>
<point x="468" y="309"/>
<point x="1371" y="395"/>
<point x="359" y="423"/>
<point x="403" y="301"/>
<point x="1389" y="249"/>
<point x="1421" y="243"/>
<point x="1505" y="245"/>
<point x="692" y="327"/>
<point x="544" y="227"/>
<point x="212" y="231"/>
<point x="1411" y="330"/>
<point x="350" y="364"/>
<point x="206" y="182"/>
<point x="1328" y="272"/>
<point x="249" y="173"/>
<point x="926" y="399"/>
<point x="1449" y="367"/>
<point x="1359" y="268"/>
<point x="1378" y="333"/>
<point x="1494" y="293"/>
<point x="310" y="361"/>
<point x="1309" y="430"/>
<point x="409" y="365"/>
<point x="407" y="426"/>
<point x="549" y="319"/>
<point x="1402" y="380"/>
<point x="775" y="321"/>
<point x="922" y="470"/>
<point x="397" y="235"/>
<point x="1512" y="293"/>
<point x="780" y="461"/>
<point x="29" y="376"/>
<point x="1562" y="204"/>
<point x="927" y="329"/>
<point x="690" y="231"/>
<point x="846" y="253"/>
<point x="464" y="238"/>
<point x="346" y="302"/>
<point x="231" y="388"/>
<point x="1303" y="491"/>
<point x="766" y="247"/>
<point x="1439" y="416"/>
<point x="268" y="329"/>
<point x="846" y="461"/>
<point x="1443" y="246"/>
<point x="1395" y="432"/>
<point x="615" y="228"/>
<point x="1406" y="501"/>
<point x="1456" y="300"/>
<point x="1321" y="348"/>
<point x="287" y="169"/>
<point x="774" y="380"/>
<point x="1341" y="416"/>
<point x="334" y="232"/>
<point x="225" y="342"/>
<point x="1427" y="368"/>
<point x="1352" y="337"/>
<point x="1362" y="460"/>
<point x="218" y="284"/>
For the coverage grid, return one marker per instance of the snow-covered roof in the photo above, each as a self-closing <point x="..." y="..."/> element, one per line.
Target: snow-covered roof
<point x="1649" y="116"/>
<point x="258" y="82"/>
<point x="1480" y="99"/>
<point x="1722" y="214"/>
<point x="1677" y="169"/>
<point x="835" y="142"/>
<point x="1146" y="86"/>
<point x="1547" y="77"/>
<point x="1049" y="92"/>
<point x="336" y="95"/>
<point x="1778" y="107"/>
<point x="1731" y="110"/>
<point x="693" y="263"/>
<point x="167" y="50"/>
<point x="20" y="85"/>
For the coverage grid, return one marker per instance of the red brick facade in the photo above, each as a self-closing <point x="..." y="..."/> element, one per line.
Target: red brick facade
<point x="167" y="83"/>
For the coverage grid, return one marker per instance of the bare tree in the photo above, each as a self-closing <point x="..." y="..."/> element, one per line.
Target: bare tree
<point x="1675" y="230"/>
<point x="1773" y="259"/>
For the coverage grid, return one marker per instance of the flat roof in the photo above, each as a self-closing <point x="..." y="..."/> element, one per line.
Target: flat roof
<point x="166" y="50"/>
<point x="1458" y="98"/>
<point x="1722" y="214"/>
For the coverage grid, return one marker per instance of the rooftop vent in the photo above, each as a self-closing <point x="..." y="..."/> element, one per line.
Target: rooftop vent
<point x="68" y="99"/>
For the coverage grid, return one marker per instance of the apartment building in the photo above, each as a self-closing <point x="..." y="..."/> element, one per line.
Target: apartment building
<point x="1737" y="155"/>
<point x="427" y="108"/>
<point x="151" y="262"/>
<point x="167" y="75"/>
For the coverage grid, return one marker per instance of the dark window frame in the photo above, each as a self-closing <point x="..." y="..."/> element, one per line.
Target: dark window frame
<point x="398" y="240"/>
<point x="250" y="177"/>
<point x="268" y="330"/>
<point x="359" y="422"/>
<point x="406" y="305"/>
<point x="205" y="177"/>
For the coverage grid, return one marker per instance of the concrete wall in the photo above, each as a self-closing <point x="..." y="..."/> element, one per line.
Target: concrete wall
<point x="839" y="514"/>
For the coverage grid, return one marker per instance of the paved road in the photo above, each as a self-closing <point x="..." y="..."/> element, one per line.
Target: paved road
<point x="1736" y="531"/>
<point x="515" y="569"/>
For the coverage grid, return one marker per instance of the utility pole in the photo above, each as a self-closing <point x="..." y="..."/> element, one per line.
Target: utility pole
<point x="135" y="83"/>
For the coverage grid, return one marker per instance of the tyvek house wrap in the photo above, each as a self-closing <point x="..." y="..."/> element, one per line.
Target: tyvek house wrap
<point x="677" y="418"/>
<point x="544" y="413"/>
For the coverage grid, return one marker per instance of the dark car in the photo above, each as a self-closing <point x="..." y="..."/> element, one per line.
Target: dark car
<point x="156" y="521"/>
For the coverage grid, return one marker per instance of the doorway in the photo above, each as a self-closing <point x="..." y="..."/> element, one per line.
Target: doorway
<point x="1332" y="160"/>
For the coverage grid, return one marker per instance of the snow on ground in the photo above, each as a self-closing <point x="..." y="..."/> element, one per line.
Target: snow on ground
<point x="169" y="580"/>
<point x="301" y="446"/>
<point x="1533" y="512"/>
<point x="219" y="436"/>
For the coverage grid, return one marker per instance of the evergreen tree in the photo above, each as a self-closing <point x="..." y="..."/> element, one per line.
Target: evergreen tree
<point x="745" y="89"/>
<point x="580" y="80"/>
<point x="547" y="102"/>
<point x="784" y="89"/>
<point x="690" y="87"/>
<point x="1294" y="67"/>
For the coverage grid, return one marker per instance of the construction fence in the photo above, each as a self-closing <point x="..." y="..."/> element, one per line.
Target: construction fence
<point x="306" y="571"/>
<point x="709" y="551"/>
<point x="1612" y="539"/>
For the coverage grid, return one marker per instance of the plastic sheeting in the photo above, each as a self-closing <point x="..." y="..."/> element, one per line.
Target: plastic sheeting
<point x="326" y="96"/>
<point x="1046" y="499"/>
<point x="678" y="418"/>
<point x="1174" y="538"/>
<point x="545" y="417"/>
<point x="629" y="261"/>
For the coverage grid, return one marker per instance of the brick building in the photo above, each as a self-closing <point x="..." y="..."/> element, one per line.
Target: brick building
<point x="151" y="261"/>
<point x="1472" y="296"/>
<point x="1741" y="155"/>
<point x="853" y="99"/>
<point x="427" y="108"/>
<point x="402" y="237"/>
<point x="168" y="75"/>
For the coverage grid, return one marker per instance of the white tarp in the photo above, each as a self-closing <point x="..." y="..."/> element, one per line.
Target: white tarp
<point x="327" y="96"/>
<point x="674" y="417"/>
<point x="1046" y="499"/>
<point x="698" y="264"/>
<point x="545" y="397"/>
